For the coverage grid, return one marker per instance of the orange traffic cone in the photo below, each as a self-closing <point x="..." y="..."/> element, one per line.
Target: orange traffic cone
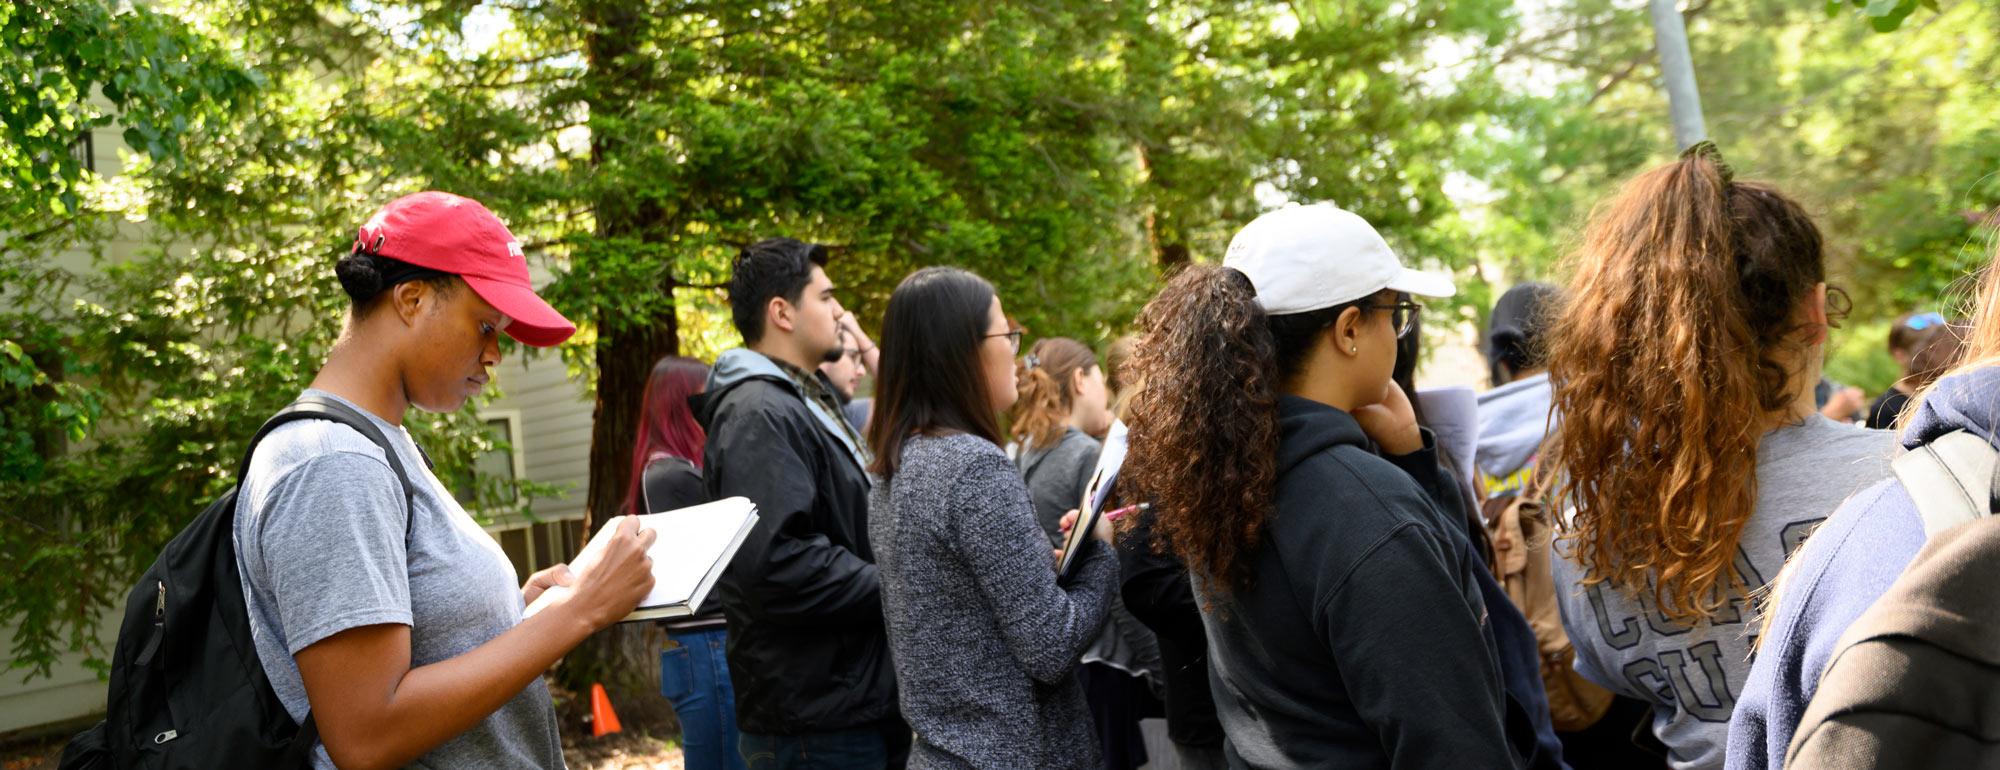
<point x="603" y="721"/>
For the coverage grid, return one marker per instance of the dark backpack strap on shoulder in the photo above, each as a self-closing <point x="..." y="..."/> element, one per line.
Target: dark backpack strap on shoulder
<point x="299" y="753"/>
<point x="321" y="408"/>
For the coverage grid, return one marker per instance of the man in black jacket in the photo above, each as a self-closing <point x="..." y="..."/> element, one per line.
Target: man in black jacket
<point x="808" y="653"/>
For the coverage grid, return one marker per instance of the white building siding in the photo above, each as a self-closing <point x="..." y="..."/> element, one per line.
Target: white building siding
<point x="555" y="427"/>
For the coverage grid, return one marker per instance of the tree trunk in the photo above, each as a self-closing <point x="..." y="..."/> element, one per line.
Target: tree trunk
<point x="1169" y="255"/>
<point x="624" y="658"/>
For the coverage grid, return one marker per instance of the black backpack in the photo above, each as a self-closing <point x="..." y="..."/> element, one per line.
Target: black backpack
<point x="187" y="689"/>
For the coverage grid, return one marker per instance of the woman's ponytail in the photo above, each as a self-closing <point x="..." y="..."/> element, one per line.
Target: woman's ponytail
<point x="1678" y="342"/>
<point x="1204" y="430"/>
<point x="1046" y="394"/>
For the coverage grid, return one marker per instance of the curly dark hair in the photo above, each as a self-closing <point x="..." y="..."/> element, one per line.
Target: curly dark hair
<point x="1671" y="352"/>
<point x="1204" y="428"/>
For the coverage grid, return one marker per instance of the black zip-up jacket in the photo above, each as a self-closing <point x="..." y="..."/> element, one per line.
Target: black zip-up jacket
<point x="808" y="651"/>
<point x="1156" y="591"/>
<point x="1362" y="640"/>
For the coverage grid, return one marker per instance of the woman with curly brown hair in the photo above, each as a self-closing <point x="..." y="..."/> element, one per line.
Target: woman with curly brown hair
<point x="1691" y="459"/>
<point x="1345" y="621"/>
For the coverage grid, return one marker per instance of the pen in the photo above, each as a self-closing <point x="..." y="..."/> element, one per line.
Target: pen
<point x="1113" y="516"/>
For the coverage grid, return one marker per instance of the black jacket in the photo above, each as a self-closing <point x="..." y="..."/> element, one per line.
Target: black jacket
<point x="1157" y="592"/>
<point x="807" y="648"/>
<point x="670" y="483"/>
<point x="1362" y="640"/>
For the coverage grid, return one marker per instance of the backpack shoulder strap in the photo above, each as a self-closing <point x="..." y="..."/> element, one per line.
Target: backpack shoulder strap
<point x="321" y="408"/>
<point x="299" y="751"/>
<point x="1951" y="478"/>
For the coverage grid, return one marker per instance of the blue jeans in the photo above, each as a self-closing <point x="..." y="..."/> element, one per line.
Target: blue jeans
<point x="694" y="676"/>
<point x="869" y="747"/>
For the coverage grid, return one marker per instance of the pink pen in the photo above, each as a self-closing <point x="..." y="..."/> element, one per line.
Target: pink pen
<point x="1113" y="516"/>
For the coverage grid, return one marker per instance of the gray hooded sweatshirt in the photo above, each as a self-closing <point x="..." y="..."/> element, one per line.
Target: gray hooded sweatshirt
<point x="1513" y="420"/>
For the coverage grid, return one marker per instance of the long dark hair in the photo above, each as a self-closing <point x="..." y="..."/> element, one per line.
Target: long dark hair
<point x="666" y="424"/>
<point x="931" y="381"/>
<point x="1676" y="343"/>
<point x="1204" y="428"/>
<point x="1409" y="352"/>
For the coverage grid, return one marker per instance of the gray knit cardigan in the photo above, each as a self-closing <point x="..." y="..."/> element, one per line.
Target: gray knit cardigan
<point x="984" y="641"/>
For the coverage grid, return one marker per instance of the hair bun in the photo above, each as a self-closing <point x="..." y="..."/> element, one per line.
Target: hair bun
<point x="360" y="275"/>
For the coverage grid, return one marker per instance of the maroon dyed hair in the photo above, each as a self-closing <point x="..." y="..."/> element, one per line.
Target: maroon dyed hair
<point x="666" y="424"/>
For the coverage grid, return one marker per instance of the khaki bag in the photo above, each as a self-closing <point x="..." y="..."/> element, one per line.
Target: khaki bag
<point x="1523" y="545"/>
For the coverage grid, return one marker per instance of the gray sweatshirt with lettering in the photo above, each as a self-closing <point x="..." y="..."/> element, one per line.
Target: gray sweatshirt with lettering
<point x="1692" y="675"/>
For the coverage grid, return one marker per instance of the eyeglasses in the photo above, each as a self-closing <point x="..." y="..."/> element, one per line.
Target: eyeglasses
<point x="1013" y="338"/>
<point x="1403" y="315"/>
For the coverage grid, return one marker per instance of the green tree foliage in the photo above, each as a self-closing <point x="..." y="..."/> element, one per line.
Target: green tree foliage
<point x="163" y="79"/>
<point x="1069" y="150"/>
<point x="1890" y="139"/>
<point x="144" y="337"/>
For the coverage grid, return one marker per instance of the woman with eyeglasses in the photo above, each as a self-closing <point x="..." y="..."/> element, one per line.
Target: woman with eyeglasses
<point x="984" y="640"/>
<point x="1326" y="544"/>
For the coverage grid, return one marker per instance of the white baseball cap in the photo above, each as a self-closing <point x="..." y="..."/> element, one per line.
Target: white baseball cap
<point x="1305" y="258"/>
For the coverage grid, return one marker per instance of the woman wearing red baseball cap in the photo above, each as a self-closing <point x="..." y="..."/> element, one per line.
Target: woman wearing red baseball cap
<point x="387" y="614"/>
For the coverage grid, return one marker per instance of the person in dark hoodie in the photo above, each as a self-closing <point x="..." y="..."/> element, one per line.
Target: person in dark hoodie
<point x="1854" y="557"/>
<point x="1520" y="660"/>
<point x="808" y="654"/>
<point x="1344" y="618"/>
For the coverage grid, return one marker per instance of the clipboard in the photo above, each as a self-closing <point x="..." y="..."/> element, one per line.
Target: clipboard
<point x="1095" y="495"/>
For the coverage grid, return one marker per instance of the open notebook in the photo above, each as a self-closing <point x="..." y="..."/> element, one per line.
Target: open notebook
<point x="694" y="545"/>
<point x="1094" y="497"/>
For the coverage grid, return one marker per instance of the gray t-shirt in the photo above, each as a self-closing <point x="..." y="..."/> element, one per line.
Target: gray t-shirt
<point x="320" y="541"/>
<point x="1693" y="675"/>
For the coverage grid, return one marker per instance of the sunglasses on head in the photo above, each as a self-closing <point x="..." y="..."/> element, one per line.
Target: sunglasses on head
<point x="1924" y="321"/>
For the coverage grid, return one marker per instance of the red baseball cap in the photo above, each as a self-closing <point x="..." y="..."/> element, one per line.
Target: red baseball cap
<point x="455" y="234"/>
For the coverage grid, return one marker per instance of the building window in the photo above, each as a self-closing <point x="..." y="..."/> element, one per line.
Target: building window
<point x="531" y="544"/>
<point x="503" y="462"/>
<point x="84" y="150"/>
